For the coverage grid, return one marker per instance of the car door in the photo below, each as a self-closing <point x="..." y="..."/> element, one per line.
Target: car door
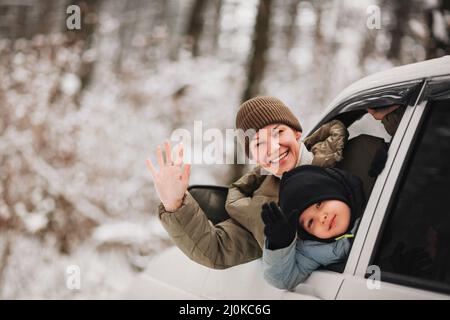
<point x="326" y="282"/>
<point x="404" y="240"/>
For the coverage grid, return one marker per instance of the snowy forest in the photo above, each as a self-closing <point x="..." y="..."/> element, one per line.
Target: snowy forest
<point x="82" y="109"/>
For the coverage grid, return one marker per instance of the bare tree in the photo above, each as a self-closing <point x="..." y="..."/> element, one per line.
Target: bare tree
<point x="89" y="15"/>
<point x="124" y="34"/>
<point x="5" y="252"/>
<point x="195" y="26"/>
<point x="438" y="43"/>
<point x="367" y="47"/>
<point x="319" y="41"/>
<point x="13" y="19"/>
<point x="326" y="46"/>
<point x="260" y="44"/>
<point x="216" y="27"/>
<point x="43" y="24"/>
<point x="401" y="13"/>
<point x="291" y="27"/>
<point x="173" y="18"/>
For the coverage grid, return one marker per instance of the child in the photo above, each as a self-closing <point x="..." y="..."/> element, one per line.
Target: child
<point x="319" y="212"/>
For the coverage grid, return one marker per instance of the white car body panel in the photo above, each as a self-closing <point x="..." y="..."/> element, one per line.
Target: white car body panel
<point x="356" y="288"/>
<point x="171" y="275"/>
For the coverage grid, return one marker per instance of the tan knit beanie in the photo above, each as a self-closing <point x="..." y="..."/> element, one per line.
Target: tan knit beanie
<point x="259" y="112"/>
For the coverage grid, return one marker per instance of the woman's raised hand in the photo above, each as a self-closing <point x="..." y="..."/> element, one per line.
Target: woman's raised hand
<point x="171" y="181"/>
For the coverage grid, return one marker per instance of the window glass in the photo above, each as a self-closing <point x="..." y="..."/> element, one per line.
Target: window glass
<point x="416" y="238"/>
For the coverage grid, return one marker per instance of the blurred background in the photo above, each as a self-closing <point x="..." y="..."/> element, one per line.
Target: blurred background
<point x="81" y="110"/>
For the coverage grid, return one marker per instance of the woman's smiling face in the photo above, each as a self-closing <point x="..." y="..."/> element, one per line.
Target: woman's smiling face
<point x="326" y="219"/>
<point x="275" y="147"/>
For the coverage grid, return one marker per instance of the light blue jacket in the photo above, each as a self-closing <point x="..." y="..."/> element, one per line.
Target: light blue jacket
<point x="288" y="267"/>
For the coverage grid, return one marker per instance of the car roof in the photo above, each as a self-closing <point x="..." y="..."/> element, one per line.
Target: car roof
<point x="409" y="72"/>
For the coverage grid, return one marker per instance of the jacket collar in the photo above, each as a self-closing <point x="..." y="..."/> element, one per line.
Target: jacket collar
<point x="306" y="156"/>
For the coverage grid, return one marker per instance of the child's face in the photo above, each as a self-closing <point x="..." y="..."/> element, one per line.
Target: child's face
<point x="326" y="219"/>
<point x="275" y="147"/>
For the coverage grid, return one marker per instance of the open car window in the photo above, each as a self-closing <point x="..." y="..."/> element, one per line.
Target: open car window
<point x="368" y="125"/>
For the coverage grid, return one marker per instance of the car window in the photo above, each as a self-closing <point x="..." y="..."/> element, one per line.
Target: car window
<point x="414" y="246"/>
<point x="368" y="125"/>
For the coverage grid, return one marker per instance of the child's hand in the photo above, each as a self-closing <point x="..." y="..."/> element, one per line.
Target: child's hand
<point x="171" y="181"/>
<point x="280" y="230"/>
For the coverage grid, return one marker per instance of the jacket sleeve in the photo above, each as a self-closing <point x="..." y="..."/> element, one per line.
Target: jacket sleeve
<point x="249" y="182"/>
<point x="217" y="246"/>
<point x="327" y="143"/>
<point x="287" y="267"/>
<point x="241" y="204"/>
<point x="392" y="120"/>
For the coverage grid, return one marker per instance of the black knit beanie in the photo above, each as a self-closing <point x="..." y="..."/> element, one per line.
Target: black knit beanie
<point x="306" y="185"/>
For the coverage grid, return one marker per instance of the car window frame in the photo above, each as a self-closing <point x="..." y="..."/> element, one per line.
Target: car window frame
<point x="397" y="278"/>
<point x="385" y="201"/>
<point x="342" y="108"/>
<point x="382" y="191"/>
<point x="351" y="263"/>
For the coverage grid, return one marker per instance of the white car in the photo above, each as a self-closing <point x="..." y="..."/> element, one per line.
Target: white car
<point x="402" y="247"/>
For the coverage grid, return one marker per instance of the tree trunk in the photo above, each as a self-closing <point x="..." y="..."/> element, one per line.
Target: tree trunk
<point x="438" y="44"/>
<point x="326" y="47"/>
<point x="319" y="41"/>
<point x="401" y="13"/>
<point x="124" y="36"/>
<point x="13" y="20"/>
<point x="291" y="27"/>
<point x="5" y="253"/>
<point x="195" y="26"/>
<point x="257" y="61"/>
<point x="89" y="21"/>
<point x="216" y="31"/>
<point x="43" y="25"/>
<point x="367" y="48"/>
